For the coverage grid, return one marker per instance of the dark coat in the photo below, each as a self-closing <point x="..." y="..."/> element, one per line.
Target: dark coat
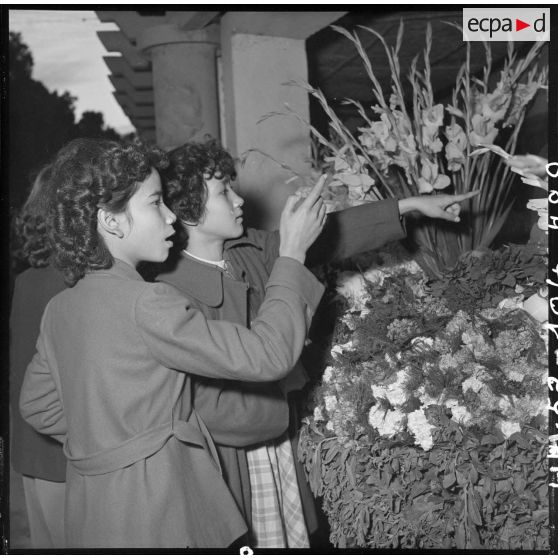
<point x="31" y="453"/>
<point x="142" y="470"/>
<point x="231" y="410"/>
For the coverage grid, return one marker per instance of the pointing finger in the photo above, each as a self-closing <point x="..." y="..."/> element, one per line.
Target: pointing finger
<point x="462" y="197"/>
<point x="316" y="191"/>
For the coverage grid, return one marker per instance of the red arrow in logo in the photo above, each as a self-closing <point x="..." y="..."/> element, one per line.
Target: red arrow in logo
<point x="519" y="25"/>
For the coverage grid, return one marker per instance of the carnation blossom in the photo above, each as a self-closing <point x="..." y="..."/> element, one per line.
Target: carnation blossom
<point x="318" y="414"/>
<point x="421" y="429"/>
<point x="353" y="287"/>
<point x="328" y="373"/>
<point x="473" y="384"/>
<point x="330" y="403"/>
<point x="511" y="303"/>
<point x="395" y="392"/>
<point x="337" y="350"/>
<point x="459" y="412"/>
<point x="509" y="427"/>
<point x="388" y="423"/>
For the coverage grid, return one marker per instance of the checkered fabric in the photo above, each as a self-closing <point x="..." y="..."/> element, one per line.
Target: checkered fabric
<point x="277" y="518"/>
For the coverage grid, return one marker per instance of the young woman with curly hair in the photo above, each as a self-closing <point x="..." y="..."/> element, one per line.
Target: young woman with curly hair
<point x="112" y="375"/>
<point x="224" y="270"/>
<point x="38" y="458"/>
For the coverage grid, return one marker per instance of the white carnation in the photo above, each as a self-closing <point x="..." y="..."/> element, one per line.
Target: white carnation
<point x="422" y="343"/>
<point x="509" y="427"/>
<point x="473" y="384"/>
<point x="394" y="392"/>
<point x="375" y="276"/>
<point x="330" y="403"/>
<point x="318" y="414"/>
<point x="353" y="287"/>
<point x="388" y="423"/>
<point x="328" y="373"/>
<point x="451" y="402"/>
<point x="421" y="429"/>
<point x="460" y="413"/>
<point x="338" y="349"/>
<point x="515" y="375"/>
<point x="511" y="303"/>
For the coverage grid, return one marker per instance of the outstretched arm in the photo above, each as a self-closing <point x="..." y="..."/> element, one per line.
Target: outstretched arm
<point x="442" y="206"/>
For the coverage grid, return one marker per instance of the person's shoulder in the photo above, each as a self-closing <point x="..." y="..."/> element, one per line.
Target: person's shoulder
<point x="40" y="276"/>
<point x="39" y="282"/>
<point x="157" y="292"/>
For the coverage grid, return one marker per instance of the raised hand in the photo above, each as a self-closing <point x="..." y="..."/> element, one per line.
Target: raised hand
<point x="529" y="166"/>
<point x="302" y="222"/>
<point x="443" y="206"/>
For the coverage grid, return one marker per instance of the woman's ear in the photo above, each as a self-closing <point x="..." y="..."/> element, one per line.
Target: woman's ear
<point x="110" y="223"/>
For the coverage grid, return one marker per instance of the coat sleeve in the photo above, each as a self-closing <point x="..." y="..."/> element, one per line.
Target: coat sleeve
<point x="39" y="401"/>
<point x="356" y="229"/>
<point x="180" y="337"/>
<point x="241" y="414"/>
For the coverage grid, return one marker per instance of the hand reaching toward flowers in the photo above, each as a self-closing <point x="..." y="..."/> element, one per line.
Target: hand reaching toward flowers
<point x="439" y="207"/>
<point x="531" y="168"/>
<point x="528" y="165"/>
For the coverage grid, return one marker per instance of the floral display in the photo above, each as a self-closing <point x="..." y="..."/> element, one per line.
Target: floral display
<point x="412" y="144"/>
<point x="428" y="428"/>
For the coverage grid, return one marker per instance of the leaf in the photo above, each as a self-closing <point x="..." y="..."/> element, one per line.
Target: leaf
<point x="449" y="480"/>
<point x="473" y="474"/>
<point x="461" y="478"/>
<point x="331" y="453"/>
<point x="474" y="512"/>
<point x="460" y="540"/>
<point x="519" y="484"/>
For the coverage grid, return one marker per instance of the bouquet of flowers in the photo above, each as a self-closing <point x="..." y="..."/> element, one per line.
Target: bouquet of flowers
<point x="428" y="427"/>
<point x="412" y="144"/>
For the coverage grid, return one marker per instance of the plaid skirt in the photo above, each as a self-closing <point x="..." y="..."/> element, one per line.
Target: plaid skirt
<point x="277" y="517"/>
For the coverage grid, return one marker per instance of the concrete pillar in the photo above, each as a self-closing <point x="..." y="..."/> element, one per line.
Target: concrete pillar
<point x="184" y="82"/>
<point x="260" y="53"/>
<point x="255" y="68"/>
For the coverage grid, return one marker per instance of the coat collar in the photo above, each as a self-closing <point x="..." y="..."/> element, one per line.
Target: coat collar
<point x="243" y="240"/>
<point x="202" y="281"/>
<point x="119" y="269"/>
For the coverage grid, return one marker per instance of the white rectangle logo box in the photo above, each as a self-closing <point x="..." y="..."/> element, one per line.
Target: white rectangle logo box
<point x="506" y="24"/>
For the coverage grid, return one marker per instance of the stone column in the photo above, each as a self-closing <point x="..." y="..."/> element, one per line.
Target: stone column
<point x="185" y="89"/>
<point x="255" y="69"/>
<point x="261" y="52"/>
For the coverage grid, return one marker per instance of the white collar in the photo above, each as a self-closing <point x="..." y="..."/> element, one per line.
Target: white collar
<point x="220" y="263"/>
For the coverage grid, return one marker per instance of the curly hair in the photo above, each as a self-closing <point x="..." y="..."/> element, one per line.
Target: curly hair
<point x="31" y="244"/>
<point x="90" y="174"/>
<point x="190" y="166"/>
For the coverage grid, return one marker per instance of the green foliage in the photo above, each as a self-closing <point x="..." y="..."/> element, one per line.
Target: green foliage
<point x="480" y="484"/>
<point x="469" y="492"/>
<point x="483" y="279"/>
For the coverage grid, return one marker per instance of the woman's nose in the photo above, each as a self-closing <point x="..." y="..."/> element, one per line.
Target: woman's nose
<point x="170" y="217"/>
<point x="237" y="200"/>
